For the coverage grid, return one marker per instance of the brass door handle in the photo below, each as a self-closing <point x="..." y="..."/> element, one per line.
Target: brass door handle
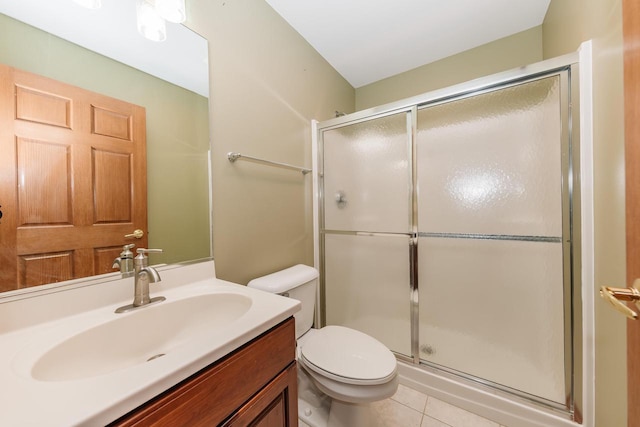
<point x="138" y="234"/>
<point x="616" y="295"/>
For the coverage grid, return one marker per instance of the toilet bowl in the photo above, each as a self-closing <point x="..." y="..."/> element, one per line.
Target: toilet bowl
<point x="341" y="370"/>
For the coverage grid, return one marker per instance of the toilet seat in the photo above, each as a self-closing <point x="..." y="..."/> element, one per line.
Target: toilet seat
<point x="348" y="356"/>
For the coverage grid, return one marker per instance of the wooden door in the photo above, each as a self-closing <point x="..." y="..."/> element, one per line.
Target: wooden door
<point x="72" y="180"/>
<point x="631" y="30"/>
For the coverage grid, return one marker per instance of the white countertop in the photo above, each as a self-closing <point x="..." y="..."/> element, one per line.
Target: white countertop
<point x="98" y="400"/>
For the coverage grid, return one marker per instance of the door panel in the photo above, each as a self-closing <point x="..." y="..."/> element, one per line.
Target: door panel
<point x="367" y="176"/>
<point x="73" y="180"/>
<point x="45" y="268"/>
<point x="40" y="107"/>
<point x="112" y="192"/>
<point x="503" y="300"/>
<point x="112" y="123"/>
<point x="367" y="287"/>
<point x="45" y="181"/>
<point x="103" y="259"/>
<point x="480" y="161"/>
<point x="491" y="258"/>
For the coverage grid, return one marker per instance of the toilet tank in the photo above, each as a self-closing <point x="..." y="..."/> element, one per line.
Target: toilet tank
<point x="298" y="282"/>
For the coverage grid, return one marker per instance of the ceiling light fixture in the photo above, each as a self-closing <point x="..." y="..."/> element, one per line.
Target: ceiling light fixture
<point x="171" y="10"/>
<point x="150" y="24"/>
<point x="151" y="15"/>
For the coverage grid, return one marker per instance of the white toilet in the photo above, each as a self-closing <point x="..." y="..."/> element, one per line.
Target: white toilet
<point x="342" y="370"/>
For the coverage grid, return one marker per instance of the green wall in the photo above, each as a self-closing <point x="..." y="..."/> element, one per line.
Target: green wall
<point x="177" y="132"/>
<point x="567" y="24"/>
<point x="501" y="55"/>
<point x="267" y="84"/>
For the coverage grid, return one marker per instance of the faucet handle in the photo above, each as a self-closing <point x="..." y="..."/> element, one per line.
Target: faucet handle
<point x="141" y="260"/>
<point x="125" y="261"/>
<point x="142" y="253"/>
<point x="147" y="251"/>
<point x="126" y="251"/>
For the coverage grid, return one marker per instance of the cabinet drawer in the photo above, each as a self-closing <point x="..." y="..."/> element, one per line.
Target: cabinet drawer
<point x="213" y="394"/>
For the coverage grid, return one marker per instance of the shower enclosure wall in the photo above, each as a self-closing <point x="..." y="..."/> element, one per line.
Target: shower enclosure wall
<point x="449" y="231"/>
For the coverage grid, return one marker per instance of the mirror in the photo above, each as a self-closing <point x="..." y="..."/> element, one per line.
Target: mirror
<point x="173" y="90"/>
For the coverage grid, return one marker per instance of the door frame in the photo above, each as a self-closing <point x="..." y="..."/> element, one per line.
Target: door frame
<point x="584" y="365"/>
<point x="631" y="52"/>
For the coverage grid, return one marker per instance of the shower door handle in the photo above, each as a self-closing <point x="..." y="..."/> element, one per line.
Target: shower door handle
<point x="615" y="296"/>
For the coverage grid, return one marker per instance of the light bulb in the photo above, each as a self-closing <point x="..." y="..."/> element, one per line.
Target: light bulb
<point x="171" y="10"/>
<point x="150" y="24"/>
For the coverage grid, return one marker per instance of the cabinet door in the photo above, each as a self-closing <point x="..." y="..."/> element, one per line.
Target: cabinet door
<point x="274" y="406"/>
<point x="251" y="379"/>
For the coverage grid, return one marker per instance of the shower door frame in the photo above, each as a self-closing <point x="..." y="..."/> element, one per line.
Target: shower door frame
<point x="566" y="67"/>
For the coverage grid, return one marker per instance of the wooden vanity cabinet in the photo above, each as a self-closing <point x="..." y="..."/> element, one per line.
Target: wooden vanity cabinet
<point x="256" y="385"/>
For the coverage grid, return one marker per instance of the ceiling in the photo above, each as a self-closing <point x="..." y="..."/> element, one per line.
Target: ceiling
<point x="369" y="40"/>
<point x="112" y="32"/>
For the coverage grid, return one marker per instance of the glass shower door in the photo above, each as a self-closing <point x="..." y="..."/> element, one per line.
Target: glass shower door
<point x="366" y="224"/>
<point x="492" y="219"/>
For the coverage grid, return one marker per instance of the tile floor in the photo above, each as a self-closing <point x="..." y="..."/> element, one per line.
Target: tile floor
<point x="410" y="408"/>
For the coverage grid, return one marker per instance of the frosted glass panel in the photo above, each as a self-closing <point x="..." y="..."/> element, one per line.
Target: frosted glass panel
<point x="366" y="166"/>
<point x="488" y="167"/>
<point x="491" y="163"/>
<point x="494" y="309"/>
<point x="367" y="287"/>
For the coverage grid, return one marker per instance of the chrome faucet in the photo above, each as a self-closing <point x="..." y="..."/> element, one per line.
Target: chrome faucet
<point x="142" y="276"/>
<point x="125" y="261"/>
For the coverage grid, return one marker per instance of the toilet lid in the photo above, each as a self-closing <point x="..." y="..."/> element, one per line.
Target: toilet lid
<point x="348" y="355"/>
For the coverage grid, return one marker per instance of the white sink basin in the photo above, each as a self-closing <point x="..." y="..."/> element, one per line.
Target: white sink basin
<point x="72" y="347"/>
<point x="140" y="336"/>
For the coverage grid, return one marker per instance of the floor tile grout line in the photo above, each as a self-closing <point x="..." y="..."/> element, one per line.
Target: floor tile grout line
<point x="407" y="406"/>
<point x="424" y="413"/>
<point x="441" y="422"/>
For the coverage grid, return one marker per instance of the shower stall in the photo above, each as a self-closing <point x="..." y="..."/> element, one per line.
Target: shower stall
<point x="449" y="230"/>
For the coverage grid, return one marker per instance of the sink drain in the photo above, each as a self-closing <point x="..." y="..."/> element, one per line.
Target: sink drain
<point x="155" y="357"/>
